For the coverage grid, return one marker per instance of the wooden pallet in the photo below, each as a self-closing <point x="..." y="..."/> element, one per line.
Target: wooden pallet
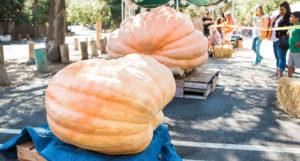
<point x="198" y="84"/>
<point x="27" y="152"/>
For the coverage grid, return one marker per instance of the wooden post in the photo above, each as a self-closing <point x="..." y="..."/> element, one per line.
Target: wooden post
<point x="103" y="46"/>
<point x="94" y="48"/>
<point x="76" y="43"/>
<point x="84" y="51"/>
<point x="41" y="60"/>
<point x="2" y="54"/>
<point x="3" y="73"/>
<point x="64" y="51"/>
<point x="87" y="42"/>
<point x="99" y="32"/>
<point x="31" y="48"/>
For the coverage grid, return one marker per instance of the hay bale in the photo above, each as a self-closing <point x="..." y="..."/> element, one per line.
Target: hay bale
<point x="288" y="95"/>
<point x="224" y="51"/>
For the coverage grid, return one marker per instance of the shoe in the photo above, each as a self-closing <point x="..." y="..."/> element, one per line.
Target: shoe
<point x="260" y="58"/>
<point x="255" y="63"/>
<point x="279" y="76"/>
<point x="272" y="76"/>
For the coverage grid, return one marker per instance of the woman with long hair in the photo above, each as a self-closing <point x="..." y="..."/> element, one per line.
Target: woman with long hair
<point x="260" y="21"/>
<point x="280" y="37"/>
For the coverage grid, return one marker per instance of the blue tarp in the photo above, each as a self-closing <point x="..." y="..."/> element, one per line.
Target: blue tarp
<point x="51" y="148"/>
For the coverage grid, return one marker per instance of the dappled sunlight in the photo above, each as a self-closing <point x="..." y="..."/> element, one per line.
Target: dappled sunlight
<point x="21" y="105"/>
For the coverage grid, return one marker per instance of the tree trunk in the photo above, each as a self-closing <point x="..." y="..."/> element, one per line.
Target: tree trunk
<point x="99" y="32"/>
<point x="3" y="73"/>
<point x="57" y="30"/>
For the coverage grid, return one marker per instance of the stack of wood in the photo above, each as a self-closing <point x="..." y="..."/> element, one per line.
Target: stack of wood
<point x="198" y="84"/>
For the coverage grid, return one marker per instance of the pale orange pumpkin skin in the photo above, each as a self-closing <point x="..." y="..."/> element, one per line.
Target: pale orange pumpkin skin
<point x="164" y="34"/>
<point x="109" y="106"/>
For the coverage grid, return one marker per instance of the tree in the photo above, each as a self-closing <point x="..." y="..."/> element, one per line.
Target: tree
<point x="40" y="12"/>
<point x="88" y="12"/>
<point x="245" y="9"/>
<point x="56" y="31"/>
<point x="12" y="10"/>
<point x="115" y="16"/>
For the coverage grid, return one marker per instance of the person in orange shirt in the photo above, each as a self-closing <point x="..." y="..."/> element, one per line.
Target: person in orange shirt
<point x="228" y="31"/>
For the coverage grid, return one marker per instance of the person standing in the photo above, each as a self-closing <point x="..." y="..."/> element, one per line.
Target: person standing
<point x="294" y="43"/>
<point x="228" y="31"/>
<point x="261" y="20"/>
<point x="280" y="37"/>
<point x="207" y="21"/>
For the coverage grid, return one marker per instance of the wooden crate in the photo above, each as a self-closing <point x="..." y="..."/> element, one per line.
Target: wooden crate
<point x="198" y="84"/>
<point x="27" y="152"/>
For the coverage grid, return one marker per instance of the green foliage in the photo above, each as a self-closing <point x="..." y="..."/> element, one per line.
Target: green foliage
<point x="11" y="10"/>
<point x="89" y="11"/>
<point x="244" y="10"/>
<point x="86" y="12"/>
<point x="115" y="16"/>
<point x="23" y="12"/>
<point x="40" y="15"/>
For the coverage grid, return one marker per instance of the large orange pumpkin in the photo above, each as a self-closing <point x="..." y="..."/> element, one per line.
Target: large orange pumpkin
<point x="109" y="106"/>
<point x="164" y="34"/>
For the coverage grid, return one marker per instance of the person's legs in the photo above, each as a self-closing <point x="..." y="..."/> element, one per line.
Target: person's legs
<point x="291" y="71"/>
<point x="282" y="60"/>
<point x="276" y="52"/>
<point x="254" y="44"/>
<point x="254" y="47"/>
<point x="257" y="49"/>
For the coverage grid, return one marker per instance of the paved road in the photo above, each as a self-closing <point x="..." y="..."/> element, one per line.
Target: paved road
<point x="239" y="121"/>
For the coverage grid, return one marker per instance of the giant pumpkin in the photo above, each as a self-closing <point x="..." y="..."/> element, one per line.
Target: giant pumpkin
<point x="109" y="106"/>
<point x="164" y="34"/>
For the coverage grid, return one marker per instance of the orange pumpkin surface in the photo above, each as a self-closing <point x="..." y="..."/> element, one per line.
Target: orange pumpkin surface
<point x="109" y="106"/>
<point x="164" y="34"/>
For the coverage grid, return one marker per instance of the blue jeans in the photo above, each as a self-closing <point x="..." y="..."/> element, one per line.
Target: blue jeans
<point x="280" y="55"/>
<point x="256" y="42"/>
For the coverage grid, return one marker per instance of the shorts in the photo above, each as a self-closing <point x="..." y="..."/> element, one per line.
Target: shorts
<point x="294" y="60"/>
<point x="227" y="37"/>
